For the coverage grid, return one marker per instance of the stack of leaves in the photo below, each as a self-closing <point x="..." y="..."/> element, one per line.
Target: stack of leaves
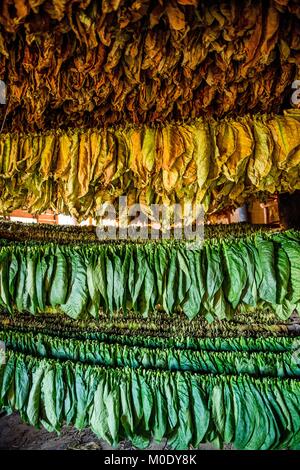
<point x="270" y="357"/>
<point x="77" y="234"/>
<point x="70" y="63"/>
<point x="254" y="323"/>
<point x="187" y="408"/>
<point x="189" y="390"/>
<point x="220" y="164"/>
<point x="164" y="376"/>
<point x="211" y="278"/>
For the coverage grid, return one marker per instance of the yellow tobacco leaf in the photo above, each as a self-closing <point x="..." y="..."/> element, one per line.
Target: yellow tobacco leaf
<point x="84" y="163"/>
<point x="236" y="163"/>
<point x="226" y="141"/>
<point x="63" y="158"/>
<point x="262" y="160"/>
<point x="202" y="151"/>
<point x="133" y="138"/>
<point x="149" y="149"/>
<point x="96" y="163"/>
<point x="72" y="186"/>
<point x="46" y="155"/>
<point x="104" y="152"/>
<point x="285" y="133"/>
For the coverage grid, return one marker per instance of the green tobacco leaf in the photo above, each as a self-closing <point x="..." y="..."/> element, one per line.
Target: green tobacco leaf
<point x="49" y="400"/>
<point x="4" y="282"/>
<point x="59" y="286"/>
<point x="172" y="401"/>
<point x="78" y="296"/>
<point x="139" y="275"/>
<point x="98" y="420"/>
<point x="192" y="303"/>
<point x="268" y="286"/>
<point x="292" y="249"/>
<point x="93" y="289"/>
<point x="30" y="296"/>
<point x="34" y="400"/>
<point x="81" y="401"/>
<point x="118" y="284"/>
<point x="101" y="279"/>
<point x="126" y="414"/>
<point x="147" y="402"/>
<point x="160" y="270"/>
<point x="147" y="294"/>
<point x="40" y="275"/>
<point x="249" y="295"/>
<point x="160" y="413"/>
<point x="218" y="408"/>
<point x="236" y="277"/>
<point x="7" y="377"/>
<point x="112" y="404"/>
<point x="229" y="425"/>
<point x="171" y="294"/>
<point x="110" y="282"/>
<point x="22" y="384"/>
<point x="70" y="396"/>
<point x="282" y="265"/>
<point x="185" y="413"/>
<point x="13" y="274"/>
<point x="59" y="392"/>
<point x="201" y="414"/>
<point x="49" y="274"/>
<point x="214" y="275"/>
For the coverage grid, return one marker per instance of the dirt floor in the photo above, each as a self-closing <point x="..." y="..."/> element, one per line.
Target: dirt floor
<point x="15" y="435"/>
